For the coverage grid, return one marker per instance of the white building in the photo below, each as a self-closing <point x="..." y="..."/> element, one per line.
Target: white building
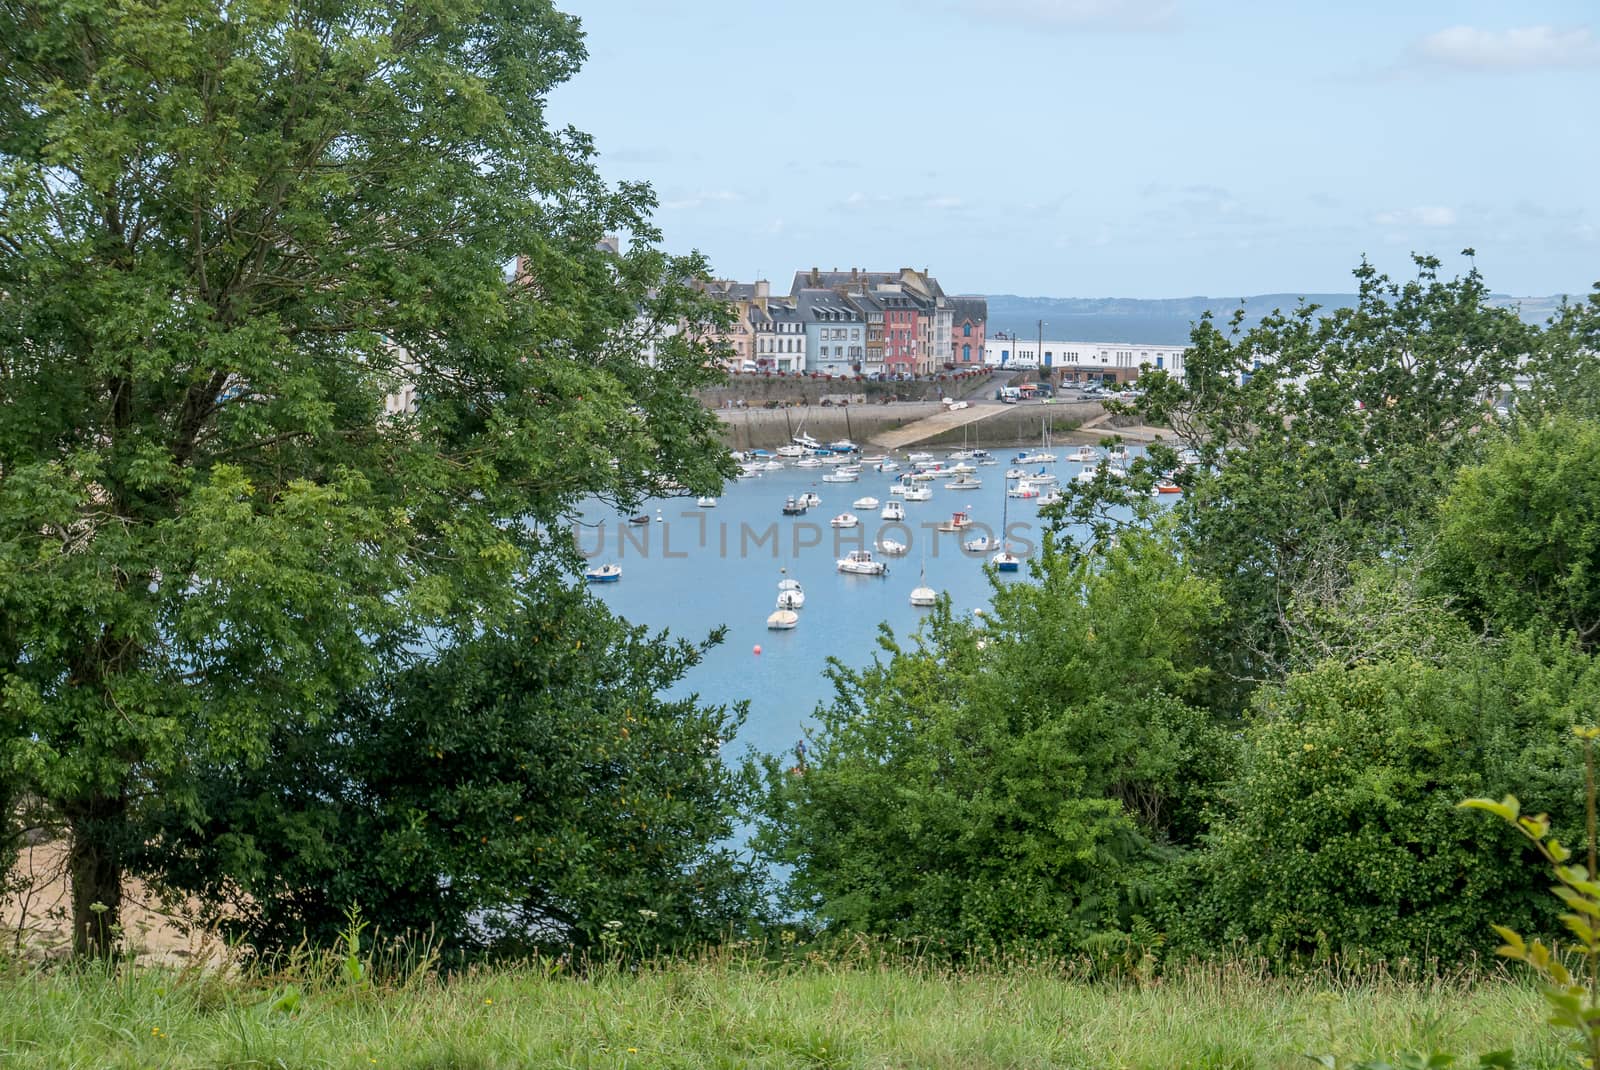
<point x="1082" y="360"/>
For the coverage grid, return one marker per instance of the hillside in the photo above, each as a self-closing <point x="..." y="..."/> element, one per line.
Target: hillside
<point x="1167" y="320"/>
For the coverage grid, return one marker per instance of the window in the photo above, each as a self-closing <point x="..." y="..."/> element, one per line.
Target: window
<point x="1161" y="362"/>
<point x="966" y="351"/>
<point x="966" y="330"/>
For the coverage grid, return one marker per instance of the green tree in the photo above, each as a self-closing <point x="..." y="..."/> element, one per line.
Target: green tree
<point x="1519" y="534"/>
<point x="523" y="789"/>
<point x="1323" y="438"/>
<point x="1339" y="832"/>
<point x="227" y="234"/>
<point x="1007" y="779"/>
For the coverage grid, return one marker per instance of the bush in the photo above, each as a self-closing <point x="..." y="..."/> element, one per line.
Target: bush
<point x="1340" y="835"/>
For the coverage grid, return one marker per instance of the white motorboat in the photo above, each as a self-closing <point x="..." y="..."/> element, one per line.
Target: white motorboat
<point x="1053" y="497"/>
<point x="892" y="547"/>
<point x="981" y="545"/>
<point x="889" y="466"/>
<point x="791" y="450"/>
<point x="782" y="620"/>
<point x="839" y="475"/>
<point x="845" y="520"/>
<point x="1087" y="475"/>
<point x="957" y="469"/>
<point x="961" y="455"/>
<point x="794" y="507"/>
<point x="837" y="458"/>
<point x="749" y="470"/>
<point x="898" y="490"/>
<point x="1041" y="476"/>
<point x="873" y="458"/>
<point x="773" y="466"/>
<point x="924" y="477"/>
<point x="918" y="494"/>
<point x="1117" y="453"/>
<point x="1006" y="561"/>
<point x="966" y="483"/>
<point x="810" y="499"/>
<point x="1084" y="455"/>
<point x="929" y="465"/>
<point x="706" y="502"/>
<point x="791" y="599"/>
<point x="893" y="510"/>
<point x="1016" y="473"/>
<point x="922" y="595"/>
<point x="603" y="574"/>
<point x="860" y="563"/>
<point x="788" y="584"/>
<point x="1037" y="457"/>
<point x="844" y="445"/>
<point x="865" y="503"/>
<point x="1023" y="489"/>
<point x="957" y="522"/>
<point x="915" y="457"/>
<point x="808" y="462"/>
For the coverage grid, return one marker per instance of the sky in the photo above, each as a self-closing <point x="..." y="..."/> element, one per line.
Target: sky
<point x="1106" y="148"/>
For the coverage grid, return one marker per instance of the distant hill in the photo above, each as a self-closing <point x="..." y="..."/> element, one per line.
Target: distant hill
<point x="1167" y="320"/>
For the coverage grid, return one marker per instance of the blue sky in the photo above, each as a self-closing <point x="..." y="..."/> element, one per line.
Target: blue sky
<point x="1095" y="148"/>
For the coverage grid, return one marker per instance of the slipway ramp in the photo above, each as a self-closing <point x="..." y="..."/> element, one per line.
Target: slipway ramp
<point x="937" y="424"/>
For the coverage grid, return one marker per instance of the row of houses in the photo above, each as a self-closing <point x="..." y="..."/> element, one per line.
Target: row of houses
<point x="853" y="323"/>
<point x="902" y="322"/>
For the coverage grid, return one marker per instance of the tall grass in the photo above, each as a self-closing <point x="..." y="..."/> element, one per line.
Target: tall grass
<point x="726" y="1010"/>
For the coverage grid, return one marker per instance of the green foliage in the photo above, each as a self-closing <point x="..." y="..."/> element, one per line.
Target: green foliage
<point x="1338" y="836"/>
<point x="1574" y="998"/>
<point x="1322" y="437"/>
<point x="1562" y="377"/>
<point x="1009" y="779"/>
<point x="525" y="788"/>
<point x="228" y="233"/>
<point x="1519" y="534"/>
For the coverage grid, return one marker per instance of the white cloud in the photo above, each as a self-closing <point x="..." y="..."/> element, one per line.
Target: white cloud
<point x="1520" y="49"/>
<point x="1075" y="14"/>
<point x="1428" y="215"/>
<point x="701" y="198"/>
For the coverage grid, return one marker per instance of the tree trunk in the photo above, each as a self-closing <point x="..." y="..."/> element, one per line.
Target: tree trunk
<point x="94" y="866"/>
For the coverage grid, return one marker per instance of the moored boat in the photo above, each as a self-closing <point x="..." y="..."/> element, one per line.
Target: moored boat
<point x="861" y="563"/>
<point x="782" y="620"/>
<point x="893" y="510"/>
<point x="868" y="502"/>
<point x="845" y="520"/>
<point x="706" y="502"/>
<point x="603" y="574"/>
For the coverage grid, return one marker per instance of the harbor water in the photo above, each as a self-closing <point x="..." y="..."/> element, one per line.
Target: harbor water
<point x="691" y="570"/>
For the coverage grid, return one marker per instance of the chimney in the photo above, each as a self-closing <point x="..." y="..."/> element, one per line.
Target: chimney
<point x="816" y="276"/>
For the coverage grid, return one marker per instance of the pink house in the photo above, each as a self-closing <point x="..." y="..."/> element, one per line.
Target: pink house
<point x="967" y="331"/>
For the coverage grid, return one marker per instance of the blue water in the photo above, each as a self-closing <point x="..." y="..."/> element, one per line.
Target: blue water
<point x="695" y="569"/>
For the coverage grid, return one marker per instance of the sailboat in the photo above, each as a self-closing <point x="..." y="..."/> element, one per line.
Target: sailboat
<point x="1005" y="560"/>
<point x="922" y="595"/>
<point x="1043" y="456"/>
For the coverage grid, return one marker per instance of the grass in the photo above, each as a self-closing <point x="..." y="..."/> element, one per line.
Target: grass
<point x="723" y="1012"/>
